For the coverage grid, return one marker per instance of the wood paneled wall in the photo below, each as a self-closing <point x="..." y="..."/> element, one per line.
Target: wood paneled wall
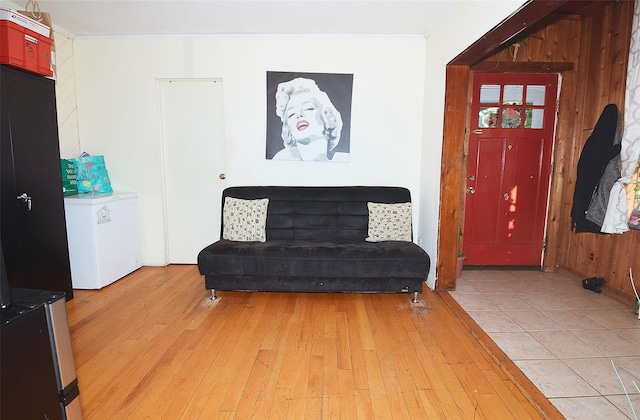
<point x="599" y="79"/>
<point x="590" y="52"/>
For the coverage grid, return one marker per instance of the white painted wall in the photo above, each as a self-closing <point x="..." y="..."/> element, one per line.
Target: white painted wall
<point x="397" y="112"/>
<point x="66" y="104"/>
<point x="118" y="111"/>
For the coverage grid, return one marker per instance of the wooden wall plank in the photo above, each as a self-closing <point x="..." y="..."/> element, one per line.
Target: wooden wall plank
<point x="570" y="253"/>
<point x="562" y="181"/>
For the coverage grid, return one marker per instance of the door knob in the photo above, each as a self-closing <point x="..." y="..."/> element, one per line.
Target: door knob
<point x="222" y="176"/>
<point x="25" y="199"/>
<point x="506" y="196"/>
<point x="471" y="190"/>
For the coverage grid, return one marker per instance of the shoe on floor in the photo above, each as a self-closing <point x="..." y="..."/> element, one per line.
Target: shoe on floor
<point x="594" y="284"/>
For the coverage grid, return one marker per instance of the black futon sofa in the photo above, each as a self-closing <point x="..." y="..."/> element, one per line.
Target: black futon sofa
<point x="315" y="242"/>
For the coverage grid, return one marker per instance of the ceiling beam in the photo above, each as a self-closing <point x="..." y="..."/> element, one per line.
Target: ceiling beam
<point x="508" y="66"/>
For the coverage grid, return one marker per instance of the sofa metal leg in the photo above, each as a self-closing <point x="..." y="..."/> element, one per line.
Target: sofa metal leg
<point x="213" y="294"/>
<point x="415" y="297"/>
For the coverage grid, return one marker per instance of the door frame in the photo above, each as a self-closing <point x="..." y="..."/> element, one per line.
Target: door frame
<point x="457" y="111"/>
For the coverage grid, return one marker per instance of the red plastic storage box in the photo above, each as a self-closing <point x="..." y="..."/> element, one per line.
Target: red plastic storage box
<point x="23" y="43"/>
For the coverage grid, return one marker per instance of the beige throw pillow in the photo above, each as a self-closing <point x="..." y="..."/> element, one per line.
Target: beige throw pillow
<point x="245" y="220"/>
<point x="389" y="222"/>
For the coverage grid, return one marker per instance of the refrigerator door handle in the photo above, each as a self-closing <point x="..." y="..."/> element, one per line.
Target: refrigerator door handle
<point x="25" y="199"/>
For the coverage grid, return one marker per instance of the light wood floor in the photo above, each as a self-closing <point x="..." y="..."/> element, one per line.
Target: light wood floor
<point x="153" y="345"/>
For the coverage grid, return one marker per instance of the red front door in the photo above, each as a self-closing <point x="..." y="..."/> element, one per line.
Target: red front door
<point x="510" y="145"/>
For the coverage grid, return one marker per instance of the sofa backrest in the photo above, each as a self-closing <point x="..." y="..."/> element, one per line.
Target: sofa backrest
<point x="337" y="214"/>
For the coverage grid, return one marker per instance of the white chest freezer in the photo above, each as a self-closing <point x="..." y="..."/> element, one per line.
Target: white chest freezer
<point x="104" y="237"/>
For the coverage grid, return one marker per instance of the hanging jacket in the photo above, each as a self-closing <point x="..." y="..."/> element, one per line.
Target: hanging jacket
<point x="600" y="200"/>
<point x="598" y="151"/>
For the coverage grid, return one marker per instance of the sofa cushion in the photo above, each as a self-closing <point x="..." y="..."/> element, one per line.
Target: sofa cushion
<point x="314" y="259"/>
<point x="245" y="220"/>
<point x="389" y="222"/>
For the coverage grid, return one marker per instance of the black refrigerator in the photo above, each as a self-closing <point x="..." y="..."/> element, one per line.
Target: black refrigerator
<point x="32" y="224"/>
<point x="38" y="376"/>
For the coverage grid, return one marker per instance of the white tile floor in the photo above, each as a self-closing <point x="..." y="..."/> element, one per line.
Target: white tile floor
<point x="563" y="337"/>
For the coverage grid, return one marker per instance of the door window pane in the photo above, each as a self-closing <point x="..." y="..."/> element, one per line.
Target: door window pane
<point x="511" y="117"/>
<point x="512" y="95"/>
<point x="488" y="117"/>
<point x="490" y="94"/>
<point x="534" y="118"/>
<point x="512" y="106"/>
<point x="535" y="94"/>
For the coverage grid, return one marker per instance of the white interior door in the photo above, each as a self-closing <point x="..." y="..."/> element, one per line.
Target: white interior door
<point x="193" y="155"/>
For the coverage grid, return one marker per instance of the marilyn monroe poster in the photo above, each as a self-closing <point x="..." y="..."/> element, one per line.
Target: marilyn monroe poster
<point x="308" y="116"/>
